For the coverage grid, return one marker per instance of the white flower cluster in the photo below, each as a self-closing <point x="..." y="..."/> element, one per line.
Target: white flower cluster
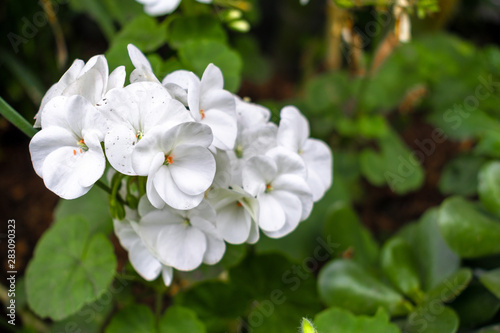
<point x="215" y="168"/>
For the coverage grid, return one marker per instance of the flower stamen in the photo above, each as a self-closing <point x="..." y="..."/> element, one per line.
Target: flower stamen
<point x="202" y="112"/>
<point x="168" y="160"/>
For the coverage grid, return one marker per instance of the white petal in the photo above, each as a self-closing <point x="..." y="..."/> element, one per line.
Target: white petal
<point x="257" y="173"/>
<point x="182" y="246"/>
<point x="212" y="79"/>
<point x="162" y="7"/>
<point x="143" y="70"/>
<point x="271" y="215"/>
<point x="319" y="162"/>
<point x="167" y="273"/>
<point x="292" y="207"/>
<point x="120" y="143"/>
<point x="91" y="85"/>
<point x="147" y="149"/>
<point x="193" y="169"/>
<point x="288" y="162"/>
<point x="181" y="78"/>
<point x="250" y="114"/>
<point x="93" y="162"/>
<point x="168" y="190"/>
<point x="223" y="173"/>
<point x="234" y="223"/>
<point x="189" y="133"/>
<point x="144" y="262"/>
<point x="297" y="186"/>
<point x="224" y="128"/>
<point x="218" y="99"/>
<point x="59" y="173"/>
<point x="293" y="130"/>
<point x="45" y="142"/>
<point x="254" y="234"/>
<point x="125" y="233"/>
<point x="117" y="78"/>
<point x="153" y="196"/>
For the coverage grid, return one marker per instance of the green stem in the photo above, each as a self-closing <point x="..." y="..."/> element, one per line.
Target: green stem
<point x="16" y="119"/>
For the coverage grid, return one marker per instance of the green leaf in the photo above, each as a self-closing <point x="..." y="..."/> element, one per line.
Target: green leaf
<point x="178" y="319"/>
<point x="185" y="29"/>
<point x="136" y="318"/>
<point x="466" y="230"/>
<point x="123" y="11"/>
<point x="434" y="318"/>
<point x="345" y="229"/>
<point x="476" y="305"/>
<point x="450" y="288"/>
<point x="216" y="303"/>
<point x="93" y="207"/>
<point x="400" y="267"/>
<point x="489" y="187"/>
<point x="16" y="119"/>
<point x="435" y="259"/>
<point x="346" y="284"/>
<point x="198" y="54"/>
<point x="280" y="292"/>
<point x="395" y="165"/>
<point x="491" y="280"/>
<point x="459" y="176"/>
<point x="90" y="319"/>
<point x="144" y="32"/>
<point x="70" y="268"/>
<point x="335" y="320"/>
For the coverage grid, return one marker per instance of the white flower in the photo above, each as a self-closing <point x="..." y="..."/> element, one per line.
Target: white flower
<point x="67" y="152"/>
<point x="277" y="181"/>
<point x="293" y="134"/>
<point x="131" y="113"/>
<point x="144" y="260"/>
<point x="208" y="102"/>
<point x="89" y="80"/>
<point x="178" y="163"/>
<point x="250" y="114"/>
<point x="237" y="213"/>
<point x="182" y="239"/>
<point x="162" y="7"/>
<point x="143" y="70"/>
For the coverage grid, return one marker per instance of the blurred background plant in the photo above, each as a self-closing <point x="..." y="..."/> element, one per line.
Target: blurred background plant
<point x="407" y="94"/>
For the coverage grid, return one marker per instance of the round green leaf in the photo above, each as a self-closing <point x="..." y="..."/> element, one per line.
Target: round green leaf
<point x="491" y="280"/>
<point x="466" y="230"/>
<point x="489" y="187"/>
<point x="400" y="268"/>
<point x="344" y="283"/>
<point x="450" y="288"/>
<point x="345" y="229"/>
<point x="336" y="320"/>
<point x="178" y="319"/>
<point x="93" y="207"/>
<point x="435" y="259"/>
<point x="476" y="305"/>
<point x="199" y="53"/>
<point x="136" y="318"/>
<point x="184" y="29"/>
<point x="460" y="175"/>
<point x="433" y="318"/>
<point x="69" y="269"/>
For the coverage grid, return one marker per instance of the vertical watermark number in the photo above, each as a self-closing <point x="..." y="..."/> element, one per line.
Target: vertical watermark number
<point x="11" y="272"/>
